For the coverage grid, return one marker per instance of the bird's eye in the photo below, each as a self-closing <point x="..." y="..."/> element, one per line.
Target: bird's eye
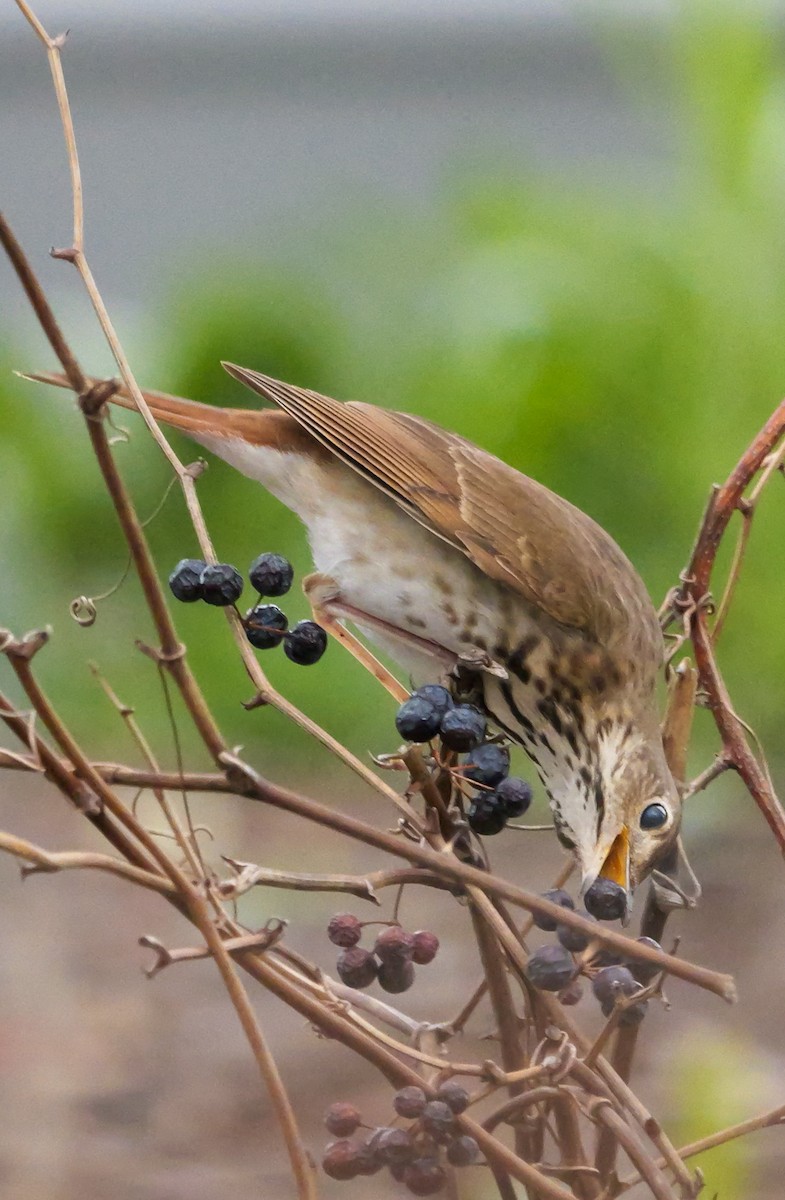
<point x="654" y="816"/>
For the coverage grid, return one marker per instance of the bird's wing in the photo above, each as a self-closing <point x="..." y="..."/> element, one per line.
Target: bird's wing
<point x="513" y="528"/>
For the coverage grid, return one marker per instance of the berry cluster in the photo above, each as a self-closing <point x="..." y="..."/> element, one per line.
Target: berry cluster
<point x="266" y="625"/>
<point x="392" y="960"/>
<point x="414" y="1155"/>
<point x="431" y="711"/>
<point x="554" y="967"/>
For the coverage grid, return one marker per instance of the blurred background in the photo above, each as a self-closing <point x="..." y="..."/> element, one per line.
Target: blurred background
<point x="555" y="228"/>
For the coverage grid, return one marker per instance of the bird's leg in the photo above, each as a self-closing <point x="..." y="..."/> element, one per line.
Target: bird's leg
<point x="324" y="597"/>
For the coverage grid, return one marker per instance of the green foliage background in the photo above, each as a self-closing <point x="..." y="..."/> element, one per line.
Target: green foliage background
<point x="622" y="345"/>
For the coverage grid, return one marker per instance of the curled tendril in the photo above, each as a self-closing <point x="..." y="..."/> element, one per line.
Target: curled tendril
<point x="83" y="611"/>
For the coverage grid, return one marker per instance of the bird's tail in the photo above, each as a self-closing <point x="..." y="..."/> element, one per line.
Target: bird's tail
<point x="206" y="423"/>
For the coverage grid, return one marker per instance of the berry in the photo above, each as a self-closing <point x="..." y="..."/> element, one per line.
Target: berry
<point x="340" y="1160"/>
<point x="426" y="945"/>
<point x="185" y="580"/>
<point x="462" y="1151"/>
<point x="550" y="968"/>
<point x="574" y="940"/>
<point x="438" y="1119"/>
<point x="344" y="930"/>
<point x="604" y="956"/>
<point x="357" y="967"/>
<point x="394" y="945"/>
<point x="367" y="1160"/>
<point x="409" y="1101"/>
<point x="396" y="976"/>
<point x="394" y="1145"/>
<point x="271" y="575"/>
<point x="437" y="696"/>
<point x="463" y="728"/>
<point x="572" y="994"/>
<point x="342" y="1119"/>
<point x="424" y="1177"/>
<point x="221" y="584"/>
<point x="611" y="981"/>
<point x="265" y="626"/>
<point x="418" y="719"/>
<point x="514" y="795"/>
<point x="488" y="764"/>
<point x="556" y="896"/>
<point x="454" y="1096"/>
<point x="644" y="971"/>
<point x="606" y="900"/>
<point x="486" y="816"/>
<point x="628" y="1016"/>
<point x="305" y="643"/>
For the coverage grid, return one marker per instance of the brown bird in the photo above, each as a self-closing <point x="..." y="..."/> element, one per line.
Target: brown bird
<point x="444" y="555"/>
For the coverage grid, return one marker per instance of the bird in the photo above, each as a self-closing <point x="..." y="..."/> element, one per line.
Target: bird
<point x="444" y="556"/>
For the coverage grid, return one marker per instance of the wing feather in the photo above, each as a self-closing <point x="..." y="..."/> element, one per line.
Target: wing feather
<point x="513" y="528"/>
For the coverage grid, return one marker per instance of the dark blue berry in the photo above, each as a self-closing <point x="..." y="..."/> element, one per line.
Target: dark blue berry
<point x="265" y="626"/>
<point x="612" y="981"/>
<point x="574" y="940"/>
<point x="645" y="971"/>
<point x="606" y="900"/>
<point x="486" y="816"/>
<point x="185" y="580"/>
<point x="462" y="1151"/>
<point x="221" y="584"/>
<point x="488" y="764"/>
<point x="271" y="574"/>
<point x="514" y="795"/>
<point x="628" y="1016"/>
<point x="305" y="643"/>
<point x="550" y="968"/>
<point x="463" y="728"/>
<point x="436" y="695"/>
<point x="556" y="896"/>
<point x="418" y="720"/>
<point x="357" y="968"/>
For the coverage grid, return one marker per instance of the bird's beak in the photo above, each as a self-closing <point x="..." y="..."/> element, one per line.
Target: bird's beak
<point x="611" y="859"/>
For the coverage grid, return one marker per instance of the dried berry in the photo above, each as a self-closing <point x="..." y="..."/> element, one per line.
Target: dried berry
<point x="426" y="945"/>
<point x="344" y="929"/>
<point x="454" y="1096"/>
<point x="611" y="981"/>
<point x="514" y="795"/>
<point x="572" y="994"/>
<point x="339" y="1160"/>
<point x="438" y="1119"/>
<point x="265" y="626"/>
<point x="305" y="643"/>
<point x="418" y="719"/>
<point x="271" y="574"/>
<point x="221" y="584"/>
<point x="396" y="975"/>
<point x="463" y="728"/>
<point x="409" y="1101"/>
<point x="367" y="1160"/>
<point x="556" y="896"/>
<point x="485" y="815"/>
<point x="488" y="764"/>
<point x="342" y="1119"/>
<point x="394" y="1145"/>
<point x="574" y="940"/>
<point x="462" y="1151"/>
<point x="424" y="1177"/>
<point x="185" y="580"/>
<point x="357" y="967"/>
<point x="606" y="900"/>
<point x="645" y="971"/>
<point x="394" y="945"/>
<point x="550" y="968"/>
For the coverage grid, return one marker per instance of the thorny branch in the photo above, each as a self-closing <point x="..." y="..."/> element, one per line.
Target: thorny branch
<point x="552" y="1086"/>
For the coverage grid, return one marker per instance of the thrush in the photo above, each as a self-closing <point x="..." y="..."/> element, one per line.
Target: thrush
<point x="445" y="556"/>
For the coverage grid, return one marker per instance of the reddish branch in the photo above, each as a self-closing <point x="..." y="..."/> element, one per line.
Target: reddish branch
<point x="691" y="601"/>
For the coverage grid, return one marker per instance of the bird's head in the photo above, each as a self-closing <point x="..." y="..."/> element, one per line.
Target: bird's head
<point x="630" y="814"/>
